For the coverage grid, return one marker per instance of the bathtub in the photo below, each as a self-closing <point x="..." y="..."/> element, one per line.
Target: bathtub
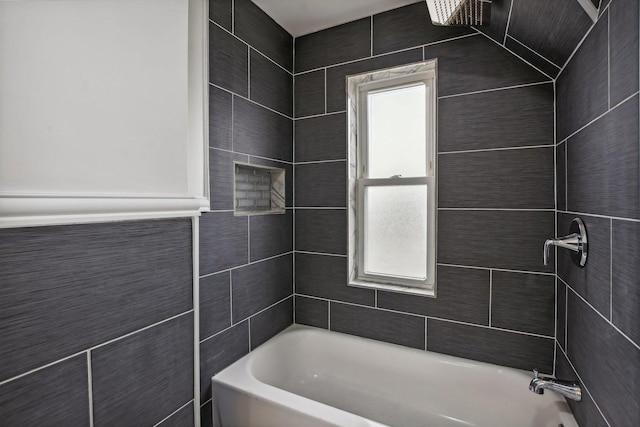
<point x="311" y="377"/>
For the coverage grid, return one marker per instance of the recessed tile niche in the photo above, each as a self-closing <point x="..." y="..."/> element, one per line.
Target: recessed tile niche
<point x="258" y="190"/>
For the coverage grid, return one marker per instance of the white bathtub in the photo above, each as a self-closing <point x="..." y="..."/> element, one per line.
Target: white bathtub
<point x="312" y="377"/>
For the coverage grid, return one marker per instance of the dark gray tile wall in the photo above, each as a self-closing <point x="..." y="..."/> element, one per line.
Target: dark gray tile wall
<point x="496" y="192"/>
<point x="246" y="263"/>
<point x="99" y="292"/>
<point x="597" y="106"/>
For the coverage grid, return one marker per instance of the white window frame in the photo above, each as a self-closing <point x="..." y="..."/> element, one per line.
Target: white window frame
<point x="358" y="89"/>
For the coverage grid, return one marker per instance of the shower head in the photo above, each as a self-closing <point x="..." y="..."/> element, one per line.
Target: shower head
<point x="459" y="12"/>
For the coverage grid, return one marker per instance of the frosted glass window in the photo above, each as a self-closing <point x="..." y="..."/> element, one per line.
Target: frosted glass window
<point x="397" y="132"/>
<point x="395" y="231"/>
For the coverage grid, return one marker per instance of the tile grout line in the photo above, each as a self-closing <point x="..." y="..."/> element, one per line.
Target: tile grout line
<point x="90" y="387"/>
<point x="506" y="28"/>
<point x="231" y="298"/>
<point x="246" y="98"/>
<point x="482" y="150"/>
<point x="608" y="60"/>
<point x="195" y="239"/>
<point x="250" y="156"/>
<point x="540" y="273"/>
<point x="611" y="270"/>
<point x="475" y="92"/>
<point x="179" y="409"/>
<point x="534" y="52"/>
<point x="244" y="265"/>
<point x="490" y="293"/>
<point x="617" y="218"/>
<point x="314" y="116"/>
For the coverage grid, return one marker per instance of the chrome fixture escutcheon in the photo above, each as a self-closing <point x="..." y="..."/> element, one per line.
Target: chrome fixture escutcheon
<point x="576" y="241"/>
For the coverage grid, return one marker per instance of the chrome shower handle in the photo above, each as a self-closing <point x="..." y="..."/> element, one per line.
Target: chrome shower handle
<point x="576" y="242"/>
<point x="571" y="242"/>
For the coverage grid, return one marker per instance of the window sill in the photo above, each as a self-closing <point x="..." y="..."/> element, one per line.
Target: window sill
<point x="410" y="290"/>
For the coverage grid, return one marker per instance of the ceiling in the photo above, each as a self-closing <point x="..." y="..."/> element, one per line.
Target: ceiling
<point x="301" y="17"/>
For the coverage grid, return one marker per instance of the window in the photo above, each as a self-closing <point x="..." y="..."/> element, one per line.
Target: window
<point x="392" y="179"/>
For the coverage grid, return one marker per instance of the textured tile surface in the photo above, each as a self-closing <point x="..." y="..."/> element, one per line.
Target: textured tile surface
<point x="336" y="92"/>
<point x="54" y="396"/>
<point x="312" y="312"/>
<point x="504" y="118"/>
<point x="561" y="176"/>
<point x="499" y="16"/>
<point x="67" y="288"/>
<point x="259" y="285"/>
<point x="555" y="33"/>
<point x="270" y="85"/>
<point x="215" y="297"/>
<point x="334" y="45"/>
<point x="261" y="132"/>
<point x="501" y="239"/>
<point x="206" y="414"/>
<point x="407" y="27"/>
<point x="326" y="277"/>
<point x="219" y="118"/>
<point x="582" y="87"/>
<point x="604" y="159"/>
<point x="143" y="378"/>
<point x="321" y="138"/>
<point x="623" y="45"/>
<point x="221" y="178"/>
<point x="223" y="241"/>
<point x="271" y="321"/>
<point x="561" y="313"/>
<point x="523" y="302"/>
<point x="490" y="345"/>
<point x="263" y="33"/>
<point x="626" y="275"/>
<point x="322" y="231"/>
<point x="593" y="280"/>
<point x="493" y="67"/>
<point x="396" y="328"/>
<point x="462" y="294"/>
<point x="220" y="12"/>
<point x="532" y="57"/>
<point x="321" y="184"/>
<point x="270" y="235"/>
<point x="608" y="363"/>
<point x="508" y="179"/>
<point x="309" y="93"/>
<point x="219" y="352"/>
<point x="228" y="61"/>
<point x="182" y="418"/>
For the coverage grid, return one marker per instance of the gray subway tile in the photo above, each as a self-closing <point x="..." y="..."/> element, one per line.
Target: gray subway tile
<point x="407" y="27"/>
<point x="505" y="348"/>
<point x="607" y="362"/>
<point x="271" y="321"/>
<point x="342" y="43"/>
<point x="215" y="303"/>
<point x="220" y="118"/>
<point x="322" y="230"/>
<point x="523" y="302"/>
<point x="516" y="117"/>
<point x="221" y="178"/>
<point x="260" y="132"/>
<point x="54" y="396"/>
<point x="270" y="85"/>
<point x="228" y="61"/>
<point x="309" y="93"/>
<point x="81" y="285"/>
<point x="603" y="173"/>
<point x="593" y="280"/>
<point x="263" y="33"/>
<point x="462" y="294"/>
<point x="312" y="312"/>
<point x="625" y="298"/>
<point x="582" y="87"/>
<point x="623" y="45"/>
<point x="270" y="235"/>
<point x="321" y="138"/>
<point x="509" y="240"/>
<point x="257" y="286"/>
<point x="561" y="177"/>
<point x="493" y="66"/>
<point x="220" y="12"/>
<point x="508" y="179"/>
<point x="219" y="352"/>
<point x="143" y="378"/>
<point x="395" y="328"/>
<point x="325" y="276"/>
<point x="321" y="184"/>
<point x="223" y="241"/>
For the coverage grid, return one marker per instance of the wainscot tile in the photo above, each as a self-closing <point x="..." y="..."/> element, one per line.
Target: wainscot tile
<point x="270" y="86"/>
<point x="53" y="396"/>
<point x="259" y="285"/>
<point x="312" y="312"/>
<point x="309" y="93"/>
<point x="228" y="61"/>
<point x="321" y="184"/>
<point x="322" y="231"/>
<point x="469" y="122"/>
<point x="626" y="271"/>
<point x="222" y="230"/>
<point x="325" y="276"/>
<point x="395" y="328"/>
<point x="82" y="285"/>
<point x="490" y="345"/>
<point x="215" y="300"/>
<point x="143" y="378"/>
<point x="462" y="294"/>
<point x="219" y="352"/>
<point x="321" y="138"/>
<point x="271" y="321"/>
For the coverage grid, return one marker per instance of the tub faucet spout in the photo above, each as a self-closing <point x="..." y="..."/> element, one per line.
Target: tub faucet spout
<point x="569" y="389"/>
